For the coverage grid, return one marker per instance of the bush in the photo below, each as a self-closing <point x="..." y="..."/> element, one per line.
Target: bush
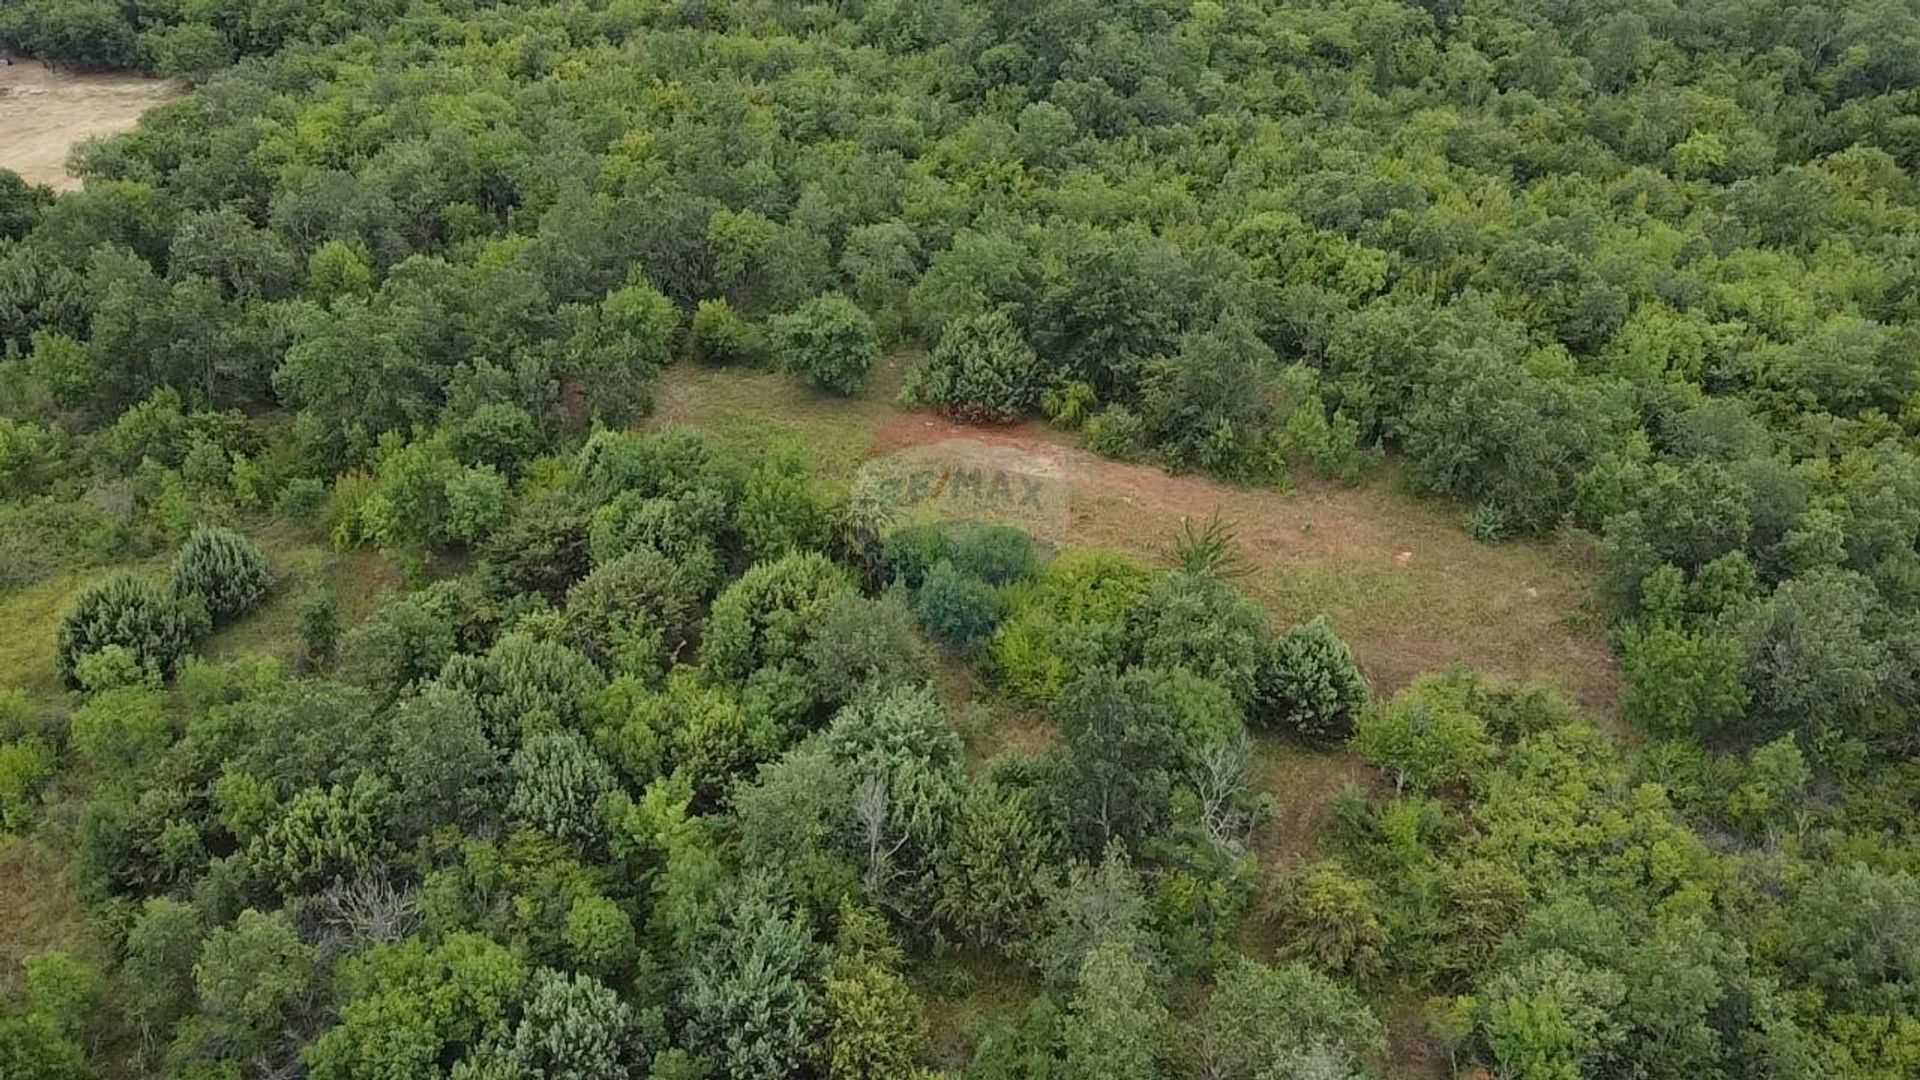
<point x="1118" y="432"/>
<point x="830" y="341"/>
<point x="1681" y="683"/>
<point x="982" y="370"/>
<point x="996" y="554"/>
<point x="721" y="335"/>
<point x="133" y="613"/>
<point x="906" y="554"/>
<point x="959" y="609"/>
<point x="769" y="614"/>
<point x="1201" y="623"/>
<point x="1308" y="681"/>
<point x="225" y="569"/>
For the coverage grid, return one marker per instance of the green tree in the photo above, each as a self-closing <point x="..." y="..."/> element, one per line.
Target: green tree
<point x="1115" y="1023"/>
<point x="575" y="1028"/>
<point x="1308" y="681"/>
<point x="981" y="370"/>
<point x="829" y="340"/>
<point x="251" y="978"/>
<point x="750" y="1005"/>
<point x="224" y="569"/>
<point x="132" y="613"/>
<point x="1683" y="683"/>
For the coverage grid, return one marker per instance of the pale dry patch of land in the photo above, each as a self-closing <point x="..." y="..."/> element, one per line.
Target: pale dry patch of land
<point x="45" y="113"/>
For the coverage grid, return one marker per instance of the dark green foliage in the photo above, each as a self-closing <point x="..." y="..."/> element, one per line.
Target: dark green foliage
<point x="1115" y="782"/>
<point x="1645" y="271"/>
<point x="223" y="569"/>
<point x="863" y="644"/>
<point x="1308" y="682"/>
<point x="1202" y="624"/>
<point x="134" y="614"/>
<point x="829" y="341"/>
<point x="958" y="609"/>
<point x="982" y="370"/>
<point x="767" y="617"/>
<point x="320" y="625"/>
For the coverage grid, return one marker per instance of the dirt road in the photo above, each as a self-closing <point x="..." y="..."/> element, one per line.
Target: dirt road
<point x="44" y="113"/>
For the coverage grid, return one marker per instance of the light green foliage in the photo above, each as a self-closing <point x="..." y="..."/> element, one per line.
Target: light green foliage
<point x="25" y="765"/>
<point x="406" y="1005"/>
<point x="33" y="1046"/>
<point x="121" y="729"/>
<point x="224" y="569"/>
<point x="1428" y="736"/>
<point x="325" y="835"/>
<point x="130" y="612"/>
<point x="476" y="500"/>
<point x="600" y="936"/>
<point x="778" y="511"/>
<point x="1308" y="682"/>
<point x="1683" y="683"/>
<point x="829" y="340"/>
<point x="720" y="335"/>
<point x="981" y="370"/>
<point x="1074" y="618"/>
<point x="874" y="1026"/>
<point x="1260" y="1019"/>
<point x="767" y="617"/>
<point x="250" y="978"/>
<point x="1334" y="921"/>
<point x="1115" y="1023"/>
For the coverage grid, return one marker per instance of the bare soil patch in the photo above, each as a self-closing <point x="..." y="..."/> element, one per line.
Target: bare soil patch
<point x="44" y="113"/>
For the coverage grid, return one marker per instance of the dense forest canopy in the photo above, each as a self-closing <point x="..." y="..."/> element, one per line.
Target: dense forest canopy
<point x="654" y="768"/>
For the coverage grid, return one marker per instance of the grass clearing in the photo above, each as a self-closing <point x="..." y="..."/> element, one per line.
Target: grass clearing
<point x="1401" y="580"/>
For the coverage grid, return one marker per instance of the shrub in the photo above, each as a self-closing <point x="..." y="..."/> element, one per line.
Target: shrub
<point x="863" y="643"/>
<point x="906" y="554"/>
<point x="129" y="612"/>
<point x="1334" y="921"/>
<point x="996" y="554"/>
<point x="1681" y="683"/>
<point x="1200" y="623"/>
<point x="1117" y="432"/>
<point x="476" y="500"/>
<point x="830" y="341"/>
<point x="225" y="569"/>
<point x="982" y="370"/>
<point x="320" y="624"/>
<point x="959" y="609"/>
<point x="1072" y="620"/>
<point x="769" y="614"/>
<point x="721" y="335"/>
<point x="1308" y="681"/>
